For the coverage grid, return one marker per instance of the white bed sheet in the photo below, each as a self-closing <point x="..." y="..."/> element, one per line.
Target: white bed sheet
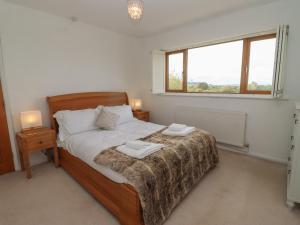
<point x="88" y="144"/>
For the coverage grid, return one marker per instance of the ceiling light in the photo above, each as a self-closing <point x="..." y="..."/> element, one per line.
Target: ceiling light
<point x="135" y="9"/>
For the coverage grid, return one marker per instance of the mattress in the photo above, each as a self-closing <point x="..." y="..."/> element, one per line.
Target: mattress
<point x="87" y="145"/>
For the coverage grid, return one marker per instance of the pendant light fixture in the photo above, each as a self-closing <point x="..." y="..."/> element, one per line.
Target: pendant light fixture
<point x="135" y="9"/>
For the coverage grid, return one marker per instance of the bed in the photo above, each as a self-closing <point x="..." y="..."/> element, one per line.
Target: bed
<point x="109" y="187"/>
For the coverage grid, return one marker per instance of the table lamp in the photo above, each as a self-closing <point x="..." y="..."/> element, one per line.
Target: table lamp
<point x="136" y="104"/>
<point x="31" y="120"/>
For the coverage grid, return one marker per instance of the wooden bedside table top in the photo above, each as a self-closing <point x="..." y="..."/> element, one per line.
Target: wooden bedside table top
<point x="34" y="132"/>
<point x="139" y="112"/>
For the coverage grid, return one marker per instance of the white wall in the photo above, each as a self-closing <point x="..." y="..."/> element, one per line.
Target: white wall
<point x="46" y="55"/>
<point x="269" y="127"/>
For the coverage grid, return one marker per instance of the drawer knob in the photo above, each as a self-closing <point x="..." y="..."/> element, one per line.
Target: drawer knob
<point x="40" y="142"/>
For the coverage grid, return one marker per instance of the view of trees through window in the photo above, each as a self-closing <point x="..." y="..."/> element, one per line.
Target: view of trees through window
<point x="261" y="64"/>
<point x="176" y="71"/>
<point x="243" y="66"/>
<point x="215" y="68"/>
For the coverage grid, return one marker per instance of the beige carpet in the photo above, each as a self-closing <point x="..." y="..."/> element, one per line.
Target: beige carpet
<point x="240" y="191"/>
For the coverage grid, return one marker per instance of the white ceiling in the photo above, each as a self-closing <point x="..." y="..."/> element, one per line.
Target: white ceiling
<point x="159" y="15"/>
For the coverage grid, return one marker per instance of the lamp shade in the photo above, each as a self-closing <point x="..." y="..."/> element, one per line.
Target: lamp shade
<point x="31" y="119"/>
<point x="136" y="104"/>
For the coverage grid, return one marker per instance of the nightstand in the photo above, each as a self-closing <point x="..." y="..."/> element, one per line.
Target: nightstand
<point x="36" y="140"/>
<point x="141" y="115"/>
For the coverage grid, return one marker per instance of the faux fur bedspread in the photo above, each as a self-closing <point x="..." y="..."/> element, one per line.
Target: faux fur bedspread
<point x="164" y="178"/>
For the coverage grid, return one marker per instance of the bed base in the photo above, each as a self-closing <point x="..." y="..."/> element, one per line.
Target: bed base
<point x="120" y="199"/>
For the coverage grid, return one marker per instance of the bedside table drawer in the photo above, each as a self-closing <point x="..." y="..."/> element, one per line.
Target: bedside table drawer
<point x="143" y="117"/>
<point x="39" y="142"/>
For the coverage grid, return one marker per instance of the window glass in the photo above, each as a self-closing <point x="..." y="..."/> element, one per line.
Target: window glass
<point x="261" y="65"/>
<point x="175" y="69"/>
<point x="215" y="68"/>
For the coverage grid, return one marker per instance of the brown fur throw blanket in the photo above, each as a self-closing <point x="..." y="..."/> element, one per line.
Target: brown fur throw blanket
<point x="164" y="178"/>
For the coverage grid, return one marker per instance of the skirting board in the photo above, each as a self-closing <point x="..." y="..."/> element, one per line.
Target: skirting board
<point x="245" y="151"/>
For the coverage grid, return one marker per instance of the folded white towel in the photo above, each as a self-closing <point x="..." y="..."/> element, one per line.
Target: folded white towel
<point x="137" y="145"/>
<point x="184" y="132"/>
<point x="142" y="153"/>
<point x="177" y="127"/>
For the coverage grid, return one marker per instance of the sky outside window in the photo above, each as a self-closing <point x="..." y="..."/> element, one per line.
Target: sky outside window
<point x="217" y="64"/>
<point x="261" y="65"/>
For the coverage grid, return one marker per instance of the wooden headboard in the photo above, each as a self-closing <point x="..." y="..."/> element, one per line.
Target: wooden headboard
<point x="83" y="101"/>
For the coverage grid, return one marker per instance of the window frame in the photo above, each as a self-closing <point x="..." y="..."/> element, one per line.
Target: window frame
<point x="244" y="67"/>
<point x="184" y="72"/>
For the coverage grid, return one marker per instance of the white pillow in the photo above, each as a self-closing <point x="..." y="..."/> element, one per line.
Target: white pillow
<point x="62" y="132"/>
<point x="72" y="122"/>
<point x="124" y="111"/>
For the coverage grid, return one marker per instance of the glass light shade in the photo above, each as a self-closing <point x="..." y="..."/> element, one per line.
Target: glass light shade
<point x="136" y="104"/>
<point x="135" y="9"/>
<point x="31" y="119"/>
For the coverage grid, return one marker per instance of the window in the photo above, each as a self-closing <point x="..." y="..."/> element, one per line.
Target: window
<point x="239" y="67"/>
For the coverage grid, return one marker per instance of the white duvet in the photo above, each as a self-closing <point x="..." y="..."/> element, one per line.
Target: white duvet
<point x="87" y="145"/>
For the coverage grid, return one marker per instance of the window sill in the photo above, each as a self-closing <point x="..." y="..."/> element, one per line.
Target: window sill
<point x="238" y="96"/>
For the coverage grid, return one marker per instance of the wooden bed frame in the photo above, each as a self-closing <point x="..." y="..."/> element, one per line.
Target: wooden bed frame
<point x="120" y="199"/>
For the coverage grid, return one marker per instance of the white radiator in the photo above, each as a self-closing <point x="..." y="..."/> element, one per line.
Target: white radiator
<point x="227" y="126"/>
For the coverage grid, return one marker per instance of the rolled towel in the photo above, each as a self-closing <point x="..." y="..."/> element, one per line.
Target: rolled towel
<point x="177" y="127"/>
<point x="142" y="153"/>
<point x="182" y="133"/>
<point x="137" y="145"/>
